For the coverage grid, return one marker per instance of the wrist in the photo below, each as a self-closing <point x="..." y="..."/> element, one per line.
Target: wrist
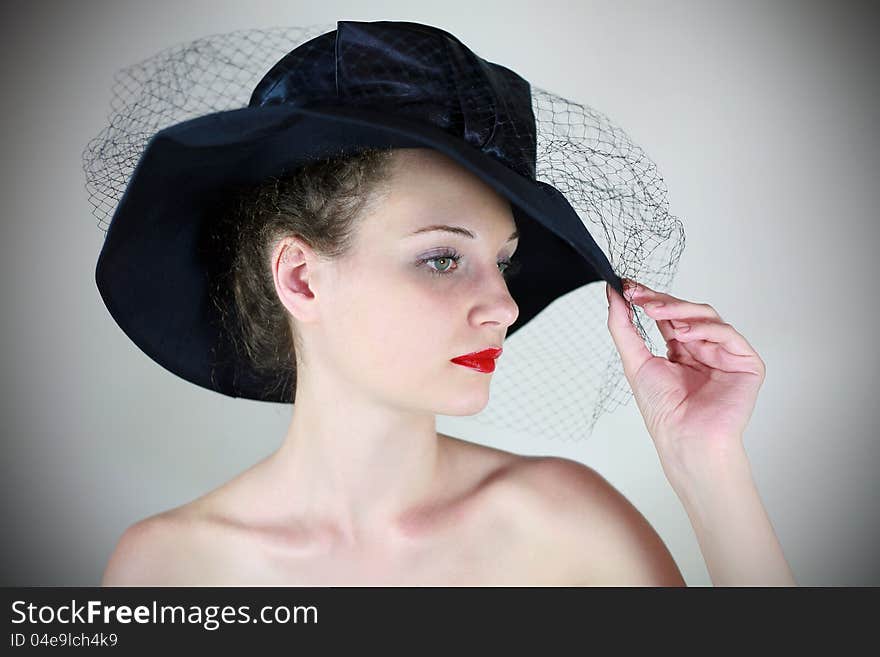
<point x="694" y="473"/>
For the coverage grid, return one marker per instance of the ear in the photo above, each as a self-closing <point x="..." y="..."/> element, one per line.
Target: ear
<point x="294" y="267"/>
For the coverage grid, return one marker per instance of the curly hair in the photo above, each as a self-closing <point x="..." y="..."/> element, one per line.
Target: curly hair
<point x="320" y="203"/>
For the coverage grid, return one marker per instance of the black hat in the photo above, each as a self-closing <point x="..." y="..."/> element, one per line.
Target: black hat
<point x="383" y="84"/>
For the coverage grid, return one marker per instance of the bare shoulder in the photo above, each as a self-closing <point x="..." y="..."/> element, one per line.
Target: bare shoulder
<point x="605" y="537"/>
<point x="154" y="552"/>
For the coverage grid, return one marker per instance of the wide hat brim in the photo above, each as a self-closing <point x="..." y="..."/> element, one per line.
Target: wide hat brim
<point x="156" y="265"/>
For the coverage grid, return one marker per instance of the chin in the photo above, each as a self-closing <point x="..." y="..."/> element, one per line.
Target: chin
<point x="467" y="404"/>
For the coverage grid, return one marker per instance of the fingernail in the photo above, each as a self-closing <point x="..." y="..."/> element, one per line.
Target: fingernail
<point x="630" y="285"/>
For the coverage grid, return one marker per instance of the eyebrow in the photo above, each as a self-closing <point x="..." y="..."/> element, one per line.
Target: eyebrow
<point x="457" y="230"/>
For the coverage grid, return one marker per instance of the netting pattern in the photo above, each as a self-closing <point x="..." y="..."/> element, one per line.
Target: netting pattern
<point x="211" y="74"/>
<point x="621" y="198"/>
<point x="614" y="187"/>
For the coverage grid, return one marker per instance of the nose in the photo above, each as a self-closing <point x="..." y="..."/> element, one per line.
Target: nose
<point x="495" y="304"/>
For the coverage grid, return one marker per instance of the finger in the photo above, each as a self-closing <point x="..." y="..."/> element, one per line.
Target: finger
<point x="713" y="355"/>
<point x="681" y="314"/>
<point x="717" y="345"/>
<point x="642" y="296"/>
<point x="720" y="332"/>
<point x="703" y="354"/>
<point x="677" y="352"/>
<point x="631" y="346"/>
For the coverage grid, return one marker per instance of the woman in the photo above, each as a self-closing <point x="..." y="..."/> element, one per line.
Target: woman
<point x="341" y="282"/>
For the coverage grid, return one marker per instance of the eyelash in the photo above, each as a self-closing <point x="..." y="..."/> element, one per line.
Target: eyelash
<point x="512" y="268"/>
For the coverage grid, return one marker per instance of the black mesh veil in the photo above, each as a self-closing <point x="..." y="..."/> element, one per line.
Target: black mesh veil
<point x="561" y="371"/>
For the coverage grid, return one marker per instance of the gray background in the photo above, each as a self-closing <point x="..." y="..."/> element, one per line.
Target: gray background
<point x="761" y="116"/>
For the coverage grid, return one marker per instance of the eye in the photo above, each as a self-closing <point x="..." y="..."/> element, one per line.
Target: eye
<point x="448" y="263"/>
<point x="511" y="267"/>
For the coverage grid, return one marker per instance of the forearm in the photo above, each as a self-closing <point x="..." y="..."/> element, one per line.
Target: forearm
<point x="733" y="530"/>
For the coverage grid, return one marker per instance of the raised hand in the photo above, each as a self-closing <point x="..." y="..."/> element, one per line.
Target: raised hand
<point x="698" y="400"/>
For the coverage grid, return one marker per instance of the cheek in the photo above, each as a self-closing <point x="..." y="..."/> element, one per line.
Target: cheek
<point x="398" y="324"/>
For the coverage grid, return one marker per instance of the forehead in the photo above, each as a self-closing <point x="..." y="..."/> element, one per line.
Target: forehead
<point x="428" y="187"/>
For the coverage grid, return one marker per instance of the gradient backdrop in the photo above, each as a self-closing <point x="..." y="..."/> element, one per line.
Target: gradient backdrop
<point x="762" y="117"/>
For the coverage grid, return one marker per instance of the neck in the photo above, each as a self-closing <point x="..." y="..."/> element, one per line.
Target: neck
<point x="357" y="468"/>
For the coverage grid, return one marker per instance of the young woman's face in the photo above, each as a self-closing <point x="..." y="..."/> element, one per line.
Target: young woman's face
<point x="408" y="299"/>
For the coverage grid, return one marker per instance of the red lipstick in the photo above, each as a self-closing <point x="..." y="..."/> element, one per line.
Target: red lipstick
<point x="482" y="361"/>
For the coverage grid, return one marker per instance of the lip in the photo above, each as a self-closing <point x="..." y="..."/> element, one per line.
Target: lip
<point x="482" y="361"/>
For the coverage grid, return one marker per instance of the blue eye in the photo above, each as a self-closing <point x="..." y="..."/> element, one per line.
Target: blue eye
<point x="450" y="258"/>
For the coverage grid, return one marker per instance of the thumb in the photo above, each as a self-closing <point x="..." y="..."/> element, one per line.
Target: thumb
<point x="632" y="348"/>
